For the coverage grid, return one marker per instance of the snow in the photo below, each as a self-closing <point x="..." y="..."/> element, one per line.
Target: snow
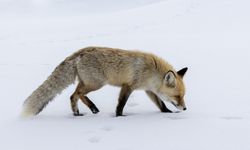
<point x="210" y="37"/>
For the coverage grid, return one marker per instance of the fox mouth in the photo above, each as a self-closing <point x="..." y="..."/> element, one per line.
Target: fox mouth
<point x="179" y="107"/>
<point x="176" y="106"/>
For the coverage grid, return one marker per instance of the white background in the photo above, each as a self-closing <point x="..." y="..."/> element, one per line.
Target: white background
<point x="211" y="37"/>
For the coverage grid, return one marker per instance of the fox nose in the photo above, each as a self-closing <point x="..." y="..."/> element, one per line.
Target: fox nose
<point x="184" y="108"/>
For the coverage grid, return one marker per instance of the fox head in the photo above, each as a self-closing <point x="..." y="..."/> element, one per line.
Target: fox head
<point x="172" y="88"/>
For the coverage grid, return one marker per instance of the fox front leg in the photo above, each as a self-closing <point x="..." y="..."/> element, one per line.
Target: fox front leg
<point x="158" y="102"/>
<point x="123" y="98"/>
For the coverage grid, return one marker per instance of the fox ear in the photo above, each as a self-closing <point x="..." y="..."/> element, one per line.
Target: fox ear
<point x="170" y="79"/>
<point x="182" y="72"/>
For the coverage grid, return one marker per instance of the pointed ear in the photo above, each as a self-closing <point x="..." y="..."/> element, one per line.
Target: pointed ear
<point x="182" y="72"/>
<point x="170" y="79"/>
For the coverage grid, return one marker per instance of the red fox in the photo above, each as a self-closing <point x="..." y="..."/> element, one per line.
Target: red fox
<point x="95" y="67"/>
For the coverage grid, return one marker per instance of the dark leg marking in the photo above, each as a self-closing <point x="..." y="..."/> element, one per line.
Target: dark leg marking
<point x="89" y="103"/>
<point x="164" y="108"/>
<point x="123" y="98"/>
<point x="158" y="102"/>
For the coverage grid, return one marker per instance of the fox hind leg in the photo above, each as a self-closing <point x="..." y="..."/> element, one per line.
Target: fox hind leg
<point x="89" y="103"/>
<point x="74" y="104"/>
<point x="159" y="103"/>
<point x="80" y="92"/>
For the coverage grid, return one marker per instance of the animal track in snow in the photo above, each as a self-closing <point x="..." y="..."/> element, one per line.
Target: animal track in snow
<point x="94" y="139"/>
<point x="107" y="128"/>
<point x="231" y="118"/>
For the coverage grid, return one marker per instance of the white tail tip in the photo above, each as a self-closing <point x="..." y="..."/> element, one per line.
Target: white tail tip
<point x="26" y="113"/>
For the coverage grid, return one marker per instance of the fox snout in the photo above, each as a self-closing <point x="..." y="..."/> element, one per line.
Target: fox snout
<point x="180" y="107"/>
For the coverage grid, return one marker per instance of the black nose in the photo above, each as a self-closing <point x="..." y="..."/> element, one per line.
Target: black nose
<point x="184" y="108"/>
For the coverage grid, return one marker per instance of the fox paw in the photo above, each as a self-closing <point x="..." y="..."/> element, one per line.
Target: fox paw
<point x="119" y="114"/>
<point x="95" y="110"/>
<point x="167" y="111"/>
<point x="77" y="114"/>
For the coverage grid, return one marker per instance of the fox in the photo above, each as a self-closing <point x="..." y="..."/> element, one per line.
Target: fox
<point x="93" y="67"/>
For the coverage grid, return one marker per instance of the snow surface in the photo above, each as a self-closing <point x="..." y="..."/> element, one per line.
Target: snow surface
<point x="211" y="37"/>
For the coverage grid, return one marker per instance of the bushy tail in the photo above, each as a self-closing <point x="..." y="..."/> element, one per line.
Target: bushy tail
<point x="61" y="77"/>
